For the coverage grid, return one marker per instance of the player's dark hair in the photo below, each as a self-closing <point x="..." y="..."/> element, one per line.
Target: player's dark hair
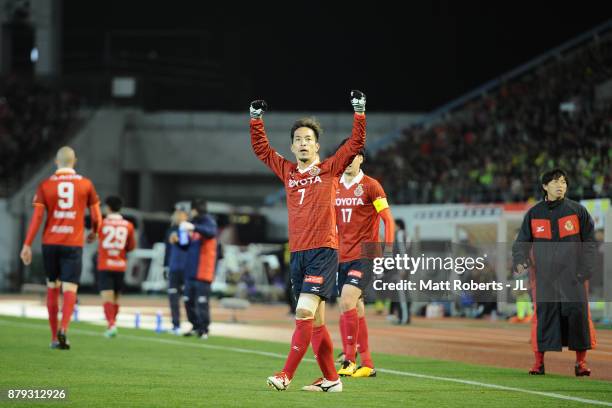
<point x="114" y="203"/>
<point x="361" y="151"/>
<point x="199" y="204"/>
<point x="310" y="123"/>
<point x="551" y="175"/>
<point x="400" y="223"/>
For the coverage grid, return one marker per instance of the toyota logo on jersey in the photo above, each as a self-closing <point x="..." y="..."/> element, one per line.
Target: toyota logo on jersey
<point x="304" y="182"/>
<point x="348" y="201"/>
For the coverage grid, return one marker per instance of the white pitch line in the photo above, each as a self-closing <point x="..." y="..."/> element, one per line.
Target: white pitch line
<point x="497" y="387"/>
<point x="310" y="360"/>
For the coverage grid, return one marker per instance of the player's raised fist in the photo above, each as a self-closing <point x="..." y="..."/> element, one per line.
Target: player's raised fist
<point x="258" y="108"/>
<point x="358" y="100"/>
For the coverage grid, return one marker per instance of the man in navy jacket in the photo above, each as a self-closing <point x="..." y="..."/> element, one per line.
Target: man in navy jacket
<point x="175" y="261"/>
<point x="200" y="266"/>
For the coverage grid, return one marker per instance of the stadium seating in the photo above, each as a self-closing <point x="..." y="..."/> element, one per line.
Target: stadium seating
<point x="494" y="148"/>
<point x="34" y="121"/>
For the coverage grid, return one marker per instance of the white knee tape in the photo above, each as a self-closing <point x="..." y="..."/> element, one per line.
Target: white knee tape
<point x="308" y="303"/>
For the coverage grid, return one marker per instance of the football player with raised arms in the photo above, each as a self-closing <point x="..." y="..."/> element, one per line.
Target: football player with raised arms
<point x="310" y="187"/>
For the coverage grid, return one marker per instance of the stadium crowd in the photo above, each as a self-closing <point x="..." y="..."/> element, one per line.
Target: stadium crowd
<point x="34" y="121"/>
<point x="494" y="148"/>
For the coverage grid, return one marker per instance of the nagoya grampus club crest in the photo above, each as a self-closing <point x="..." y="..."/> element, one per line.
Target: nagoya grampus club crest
<point x="314" y="171"/>
<point x="359" y="190"/>
<point x="569" y="226"/>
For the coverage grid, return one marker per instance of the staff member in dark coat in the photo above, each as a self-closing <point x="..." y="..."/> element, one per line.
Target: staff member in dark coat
<point x="200" y="266"/>
<point x="557" y="244"/>
<point x="175" y="261"/>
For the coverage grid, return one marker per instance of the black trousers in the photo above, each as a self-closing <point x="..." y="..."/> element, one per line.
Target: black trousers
<point x="175" y="288"/>
<point x="196" y="295"/>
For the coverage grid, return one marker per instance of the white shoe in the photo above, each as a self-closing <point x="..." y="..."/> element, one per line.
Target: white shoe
<point x="176" y="331"/>
<point x="111" y="332"/>
<point x="323" y="385"/>
<point x="280" y="381"/>
<point x="204" y="336"/>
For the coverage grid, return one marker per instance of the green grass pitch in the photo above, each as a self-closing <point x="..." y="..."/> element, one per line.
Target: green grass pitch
<point x="144" y="369"/>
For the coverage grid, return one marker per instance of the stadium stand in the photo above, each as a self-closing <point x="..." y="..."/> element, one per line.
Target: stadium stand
<point x="492" y="148"/>
<point x="34" y="121"/>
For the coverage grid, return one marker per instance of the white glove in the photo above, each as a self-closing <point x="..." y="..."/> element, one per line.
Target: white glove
<point x="258" y="108"/>
<point x="358" y="100"/>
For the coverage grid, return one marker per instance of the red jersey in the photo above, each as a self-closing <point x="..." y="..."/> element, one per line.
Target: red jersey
<point x="65" y="195"/>
<point x="310" y="192"/>
<point x="115" y="241"/>
<point x="358" y="205"/>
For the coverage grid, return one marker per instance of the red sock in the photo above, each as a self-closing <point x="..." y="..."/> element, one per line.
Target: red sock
<point x="580" y="356"/>
<point x="67" y="308"/>
<point x="324" y="352"/>
<point x="115" y="311"/>
<point x="52" y="308"/>
<point x="351" y="329"/>
<point x="539" y="358"/>
<point x="343" y="332"/>
<point x="363" y="344"/>
<point x="299" y="345"/>
<point x="109" y="312"/>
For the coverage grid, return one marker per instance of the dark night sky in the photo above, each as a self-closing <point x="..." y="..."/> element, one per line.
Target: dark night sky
<point x="307" y="55"/>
